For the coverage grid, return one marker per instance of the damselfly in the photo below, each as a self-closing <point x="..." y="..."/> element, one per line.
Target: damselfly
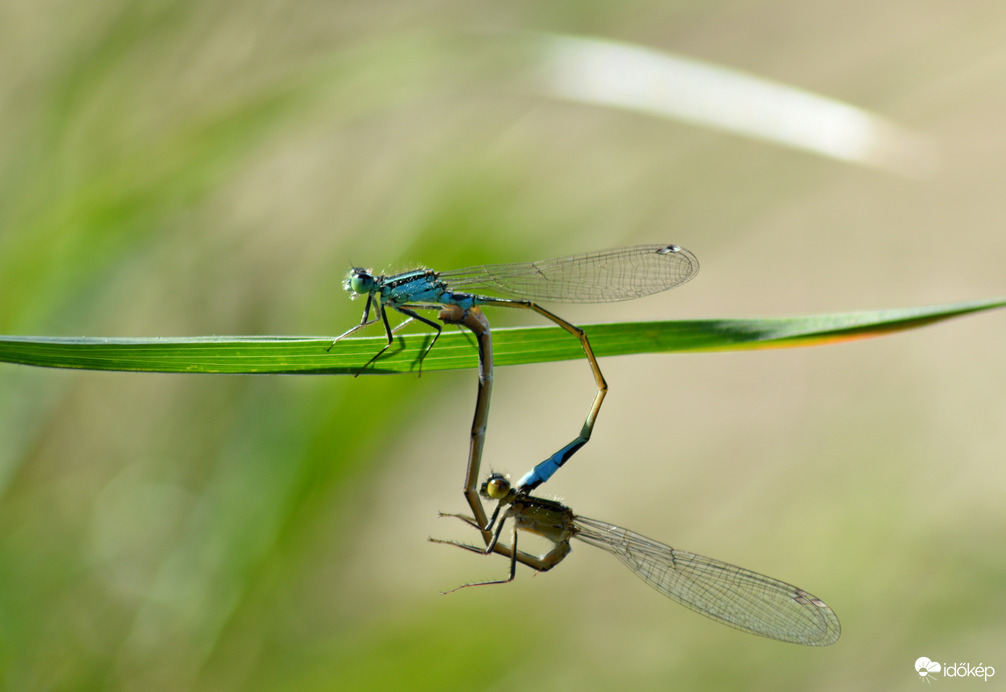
<point x="732" y="595"/>
<point x="598" y="277"/>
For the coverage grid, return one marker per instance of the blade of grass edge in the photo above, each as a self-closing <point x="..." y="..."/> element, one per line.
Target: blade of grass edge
<point x="513" y="346"/>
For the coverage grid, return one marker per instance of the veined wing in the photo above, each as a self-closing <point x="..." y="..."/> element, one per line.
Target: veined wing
<point x="597" y="277"/>
<point x="733" y="595"/>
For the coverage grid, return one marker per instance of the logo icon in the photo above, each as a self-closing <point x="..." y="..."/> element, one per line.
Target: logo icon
<point x="925" y="668"/>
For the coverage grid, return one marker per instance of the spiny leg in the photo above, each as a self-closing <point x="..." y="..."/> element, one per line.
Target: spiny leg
<point x="466" y="519"/>
<point x="485" y="527"/>
<point x="404" y="309"/>
<point x="380" y="314"/>
<point x="365" y="322"/>
<point x="490" y="549"/>
<point x="388" y="332"/>
<point x="539" y="563"/>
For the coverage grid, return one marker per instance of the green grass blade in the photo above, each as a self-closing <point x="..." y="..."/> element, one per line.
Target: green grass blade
<point x="454" y="350"/>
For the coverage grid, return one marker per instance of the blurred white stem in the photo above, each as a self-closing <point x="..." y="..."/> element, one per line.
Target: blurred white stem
<point x="648" y="81"/>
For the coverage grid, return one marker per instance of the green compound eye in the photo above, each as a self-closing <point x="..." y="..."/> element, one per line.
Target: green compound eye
<point x="360" y="281"/>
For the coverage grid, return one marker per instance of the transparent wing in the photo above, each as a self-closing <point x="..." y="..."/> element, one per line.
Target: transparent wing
<point x="733" y="595"/>
<point x="597" y="277"/>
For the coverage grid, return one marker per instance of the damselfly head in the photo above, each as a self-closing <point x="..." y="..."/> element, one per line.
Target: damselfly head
<point x="359" y="281"/>
<point x="496" y="487"/>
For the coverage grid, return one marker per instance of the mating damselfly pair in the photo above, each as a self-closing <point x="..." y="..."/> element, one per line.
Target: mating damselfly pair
<point x="729" y="594"/>
<point x="598" y="277"/>
<point x="732" y="595"/>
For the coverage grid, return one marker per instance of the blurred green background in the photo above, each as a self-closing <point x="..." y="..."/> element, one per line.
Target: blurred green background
<point x="196" y="168"/>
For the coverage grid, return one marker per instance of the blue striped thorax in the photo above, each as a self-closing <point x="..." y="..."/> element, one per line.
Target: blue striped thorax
<point x="408" y="288"/>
